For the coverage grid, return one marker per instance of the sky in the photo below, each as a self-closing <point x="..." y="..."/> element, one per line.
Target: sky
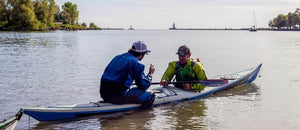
<point x="161" y="14"/>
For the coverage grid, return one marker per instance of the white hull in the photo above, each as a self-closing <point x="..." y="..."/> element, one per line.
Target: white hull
<point x="163" y="95"/>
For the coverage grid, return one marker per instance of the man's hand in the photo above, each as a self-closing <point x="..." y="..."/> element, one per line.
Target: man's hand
<point x="151" y="69"/>
<point x="163" y="82"/>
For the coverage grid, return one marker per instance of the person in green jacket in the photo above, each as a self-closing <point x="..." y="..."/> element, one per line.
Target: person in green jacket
<point x="185" y="69"/>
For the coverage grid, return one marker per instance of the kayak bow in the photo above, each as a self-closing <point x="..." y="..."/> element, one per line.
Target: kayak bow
<point x="11" y="123"/>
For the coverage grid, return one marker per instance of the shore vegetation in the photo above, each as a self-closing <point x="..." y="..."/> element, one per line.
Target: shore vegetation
<point x="291" y="21"/>
<point x="39" y="15"/>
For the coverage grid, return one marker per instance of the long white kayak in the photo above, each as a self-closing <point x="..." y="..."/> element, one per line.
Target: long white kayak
<point x="163" y="95"/>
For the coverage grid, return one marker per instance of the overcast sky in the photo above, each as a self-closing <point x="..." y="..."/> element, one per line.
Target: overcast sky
<point x="161" y="14"/>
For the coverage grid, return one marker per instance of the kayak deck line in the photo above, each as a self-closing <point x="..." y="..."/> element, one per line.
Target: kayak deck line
<point x="164" y="95"/>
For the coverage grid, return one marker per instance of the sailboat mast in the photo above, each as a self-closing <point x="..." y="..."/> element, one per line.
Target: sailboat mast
<point x="253" y="28"/>
<point x="254" y="19"/>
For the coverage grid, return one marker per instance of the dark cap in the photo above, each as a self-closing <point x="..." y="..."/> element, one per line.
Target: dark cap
<point x="183" y="50"/>
<point x="140" y="47"/>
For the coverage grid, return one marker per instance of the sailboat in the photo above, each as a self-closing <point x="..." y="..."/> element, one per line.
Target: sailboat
<point x="253" y="28"/>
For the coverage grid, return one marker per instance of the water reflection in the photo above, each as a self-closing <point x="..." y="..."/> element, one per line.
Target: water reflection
<point x="242" y="90"/>
<point x="233" y="106"/>
<point x="138" y="119"/>
<point x="32" y="39"/>
<point x="134" y="119"/>
<point x="183" y="115"/>
<point x="14" y="38"/>
<point x="186" y="115"/>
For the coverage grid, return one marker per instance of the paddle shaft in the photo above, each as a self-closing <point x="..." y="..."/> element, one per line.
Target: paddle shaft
<point x="179" y="82"/>
<point x="210" y="82"/>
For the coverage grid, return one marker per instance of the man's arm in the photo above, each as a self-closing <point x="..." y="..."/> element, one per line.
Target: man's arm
<point x="168" y="75"/>
<point x="143" y="81"/>
<point x="201" y="75"/>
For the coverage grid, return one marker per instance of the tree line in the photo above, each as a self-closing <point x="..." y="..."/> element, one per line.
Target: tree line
<point x="289" y="21"/>
<point x="31" y="15"/>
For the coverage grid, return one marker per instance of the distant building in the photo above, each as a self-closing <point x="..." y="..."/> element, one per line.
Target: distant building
<point x="131" y="28"/>
<point x="173" y="28"/>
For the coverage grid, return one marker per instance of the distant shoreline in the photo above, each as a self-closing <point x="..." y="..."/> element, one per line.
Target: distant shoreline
<point x="203" y="29"/>
<point x="229" y="29"/>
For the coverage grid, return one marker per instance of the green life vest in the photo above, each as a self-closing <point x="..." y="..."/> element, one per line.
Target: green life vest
<point x="184" y="74"/>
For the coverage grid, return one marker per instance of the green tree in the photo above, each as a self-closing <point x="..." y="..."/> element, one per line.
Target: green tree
<point x="40" y="9"/>
<point x="92" y="25"/>
<point x="6" y="7"/>
<point x="3" y="20"/>
<point x="24" y="17"/>
<point x="293" y="19"/>
<point x="290" y="22"/>
<point x="83" y="25"/>
<point x="296" y="17"/>
<point x="271" y="23"/>
<point x="52" y="9"/>
<point x="44" y="11"/>
<point x="297" y="11"/>
<point x="280" y="21"/>
<point x="58" y="16"/>
<point x="70" y="13"/>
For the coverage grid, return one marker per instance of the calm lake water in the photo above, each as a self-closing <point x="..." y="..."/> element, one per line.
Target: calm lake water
<point x="60" y="68"/>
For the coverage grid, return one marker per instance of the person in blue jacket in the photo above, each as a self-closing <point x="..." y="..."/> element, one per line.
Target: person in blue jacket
<point x="116" y="81"/>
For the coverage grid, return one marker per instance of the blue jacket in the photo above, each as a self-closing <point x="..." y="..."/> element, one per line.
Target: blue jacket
<point x="124" y="69"/>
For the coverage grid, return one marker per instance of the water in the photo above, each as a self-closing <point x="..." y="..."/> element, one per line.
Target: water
<point x="59" y="68"/>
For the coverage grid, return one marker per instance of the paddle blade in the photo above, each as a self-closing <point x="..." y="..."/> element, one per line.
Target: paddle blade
<point x="213" y="82"/>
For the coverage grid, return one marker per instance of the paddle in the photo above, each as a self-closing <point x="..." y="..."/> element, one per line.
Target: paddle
<point x="209" y="82"/>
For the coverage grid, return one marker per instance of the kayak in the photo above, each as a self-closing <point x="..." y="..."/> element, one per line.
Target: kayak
<point x="163" y="95"/>
<point x="11" y="123"/>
